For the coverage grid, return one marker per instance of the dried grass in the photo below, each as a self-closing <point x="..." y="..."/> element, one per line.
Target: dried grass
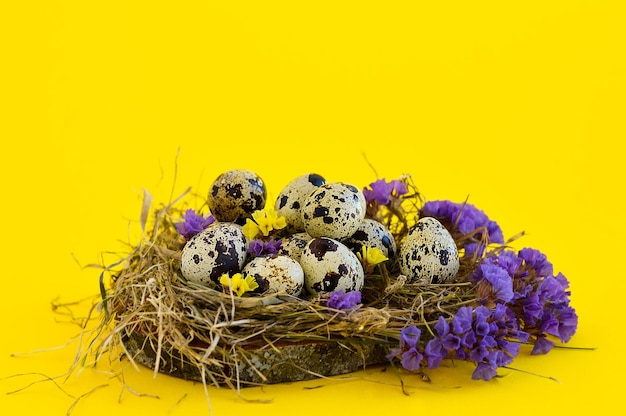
<point x="215" y="333"/>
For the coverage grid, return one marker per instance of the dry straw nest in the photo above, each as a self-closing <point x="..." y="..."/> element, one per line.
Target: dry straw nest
<point x="174" y="326"/>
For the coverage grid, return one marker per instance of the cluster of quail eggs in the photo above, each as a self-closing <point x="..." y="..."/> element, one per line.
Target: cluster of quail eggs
<point x="326" y="226"/>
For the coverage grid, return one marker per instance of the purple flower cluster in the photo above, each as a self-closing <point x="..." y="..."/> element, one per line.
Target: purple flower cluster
<point x="383" y="192"/>
<point x="526" y="284"/>
<point x="495" y="277"/>
<point x="343" y="301"/>
<point x="488" y="337"/>
<point x="409" y="351"/>
<point x="260" y="248"/>
<point x="193" y="223"/>
<point x="521" y="300"/>
<point x="462" y="220"/>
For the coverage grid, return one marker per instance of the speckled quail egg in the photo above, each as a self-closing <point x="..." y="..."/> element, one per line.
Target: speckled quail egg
<point x="428" y="253"/>
<point x="275" y="274"/>
<point x="293" y="196"/>
<point x="293" y="244"/>
<point x="329" y="265"/>
<point x="372" y="233"/>
<point x="236" y="194"/>
<point x="334" y="210"/>
<point x="219" y="249"/>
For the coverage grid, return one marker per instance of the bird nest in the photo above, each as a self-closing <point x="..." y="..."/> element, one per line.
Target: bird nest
<point x="201" y="332"/>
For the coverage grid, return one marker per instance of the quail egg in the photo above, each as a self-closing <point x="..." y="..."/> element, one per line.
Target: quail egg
<point x="219" y="249"/>
<point x="428" y="253"/>
<point x="236" y="194"/>
<point x="293" y="196"/>
<point x="372" y="233"/>
<point x="334" y="210"/>
<point x="329" y="265"/>
<point x="293" y="244"/>
<point x="275" y="274"/>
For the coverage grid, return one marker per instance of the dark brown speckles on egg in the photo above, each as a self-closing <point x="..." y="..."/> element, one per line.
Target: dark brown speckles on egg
<point x="219" y="249"/>
<point x="329" y="265"/>
<point x="292" y="198"/>
<point x="236" y="194"/>
<point x="292" y="245"/>
<point x="319" y="196"/>
<point x="360" y="235"/>
<point x="429" y="253"/>
<point x="282" y="201"/>
<point x="227" y="258"/>
<point x="276" y="274"/>
<point x="316" y="180"/>
<point x="264" y="284"/>
<point x="320" y="212"/>
<point x="234" y="190"/>
<point x="328" y="283"/>
<point x="333" y="210"/>
<point x="390" y="245"/>
<point x="320" y="246"/>
<point x="444" y="257"/>
<point x="373" y="234"/>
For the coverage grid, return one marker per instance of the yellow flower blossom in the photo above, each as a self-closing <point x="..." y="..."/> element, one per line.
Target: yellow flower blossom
<point x="238" y="284"/>
<point x="371" y="256"/>
<point x="263" y="221"/>
<point x="250" y="229"/>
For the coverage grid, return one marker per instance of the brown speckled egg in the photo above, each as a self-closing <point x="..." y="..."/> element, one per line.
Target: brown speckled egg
<point x="293" y="196"/>
<point x="329" y="265"/>
<point x="429" y="254"/>
<point x="276" y="274"/>
<point x="372" y="233"/>
<point x="334" y="210"/>
<point x="219" y="249"/>
<point x="236" y="194"/>
<point x="293" y="244"/>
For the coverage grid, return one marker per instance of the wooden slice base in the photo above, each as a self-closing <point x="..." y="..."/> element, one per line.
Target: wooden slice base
<point x="291" y="362"/>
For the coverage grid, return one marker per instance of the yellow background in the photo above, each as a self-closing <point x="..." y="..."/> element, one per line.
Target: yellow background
<point x="517" y="104"/>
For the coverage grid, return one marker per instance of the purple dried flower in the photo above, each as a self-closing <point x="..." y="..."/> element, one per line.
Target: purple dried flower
<point x="509" y="261"/>
<point x="409" y="353"/>
<point x="495" y="283"/>
<point x="537" y="261"/>
<point x="542" y="346"/>
<point x="260" y="248"/>
<point x="451" y="342"/>
<point x="382" y="191"/>
<point x="488" y="337"/>
<point x="539" y="300"/>
<point x="484" y="371"/>
<point x="462" y="321"/>
<point x="343" y="301"/>
<point x="462" y="220"/>
<point x="410" y="336"/>
<point x="411" y="359"/>
<point x="193" y="223"/>
<point x="568" y="323"/>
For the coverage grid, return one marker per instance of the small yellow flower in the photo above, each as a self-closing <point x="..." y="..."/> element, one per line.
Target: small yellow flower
<point x="371" y="256"/>
<point x="238" y="284"/>
<point x="263" y="221"/>
<point x="250" y="229"/>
